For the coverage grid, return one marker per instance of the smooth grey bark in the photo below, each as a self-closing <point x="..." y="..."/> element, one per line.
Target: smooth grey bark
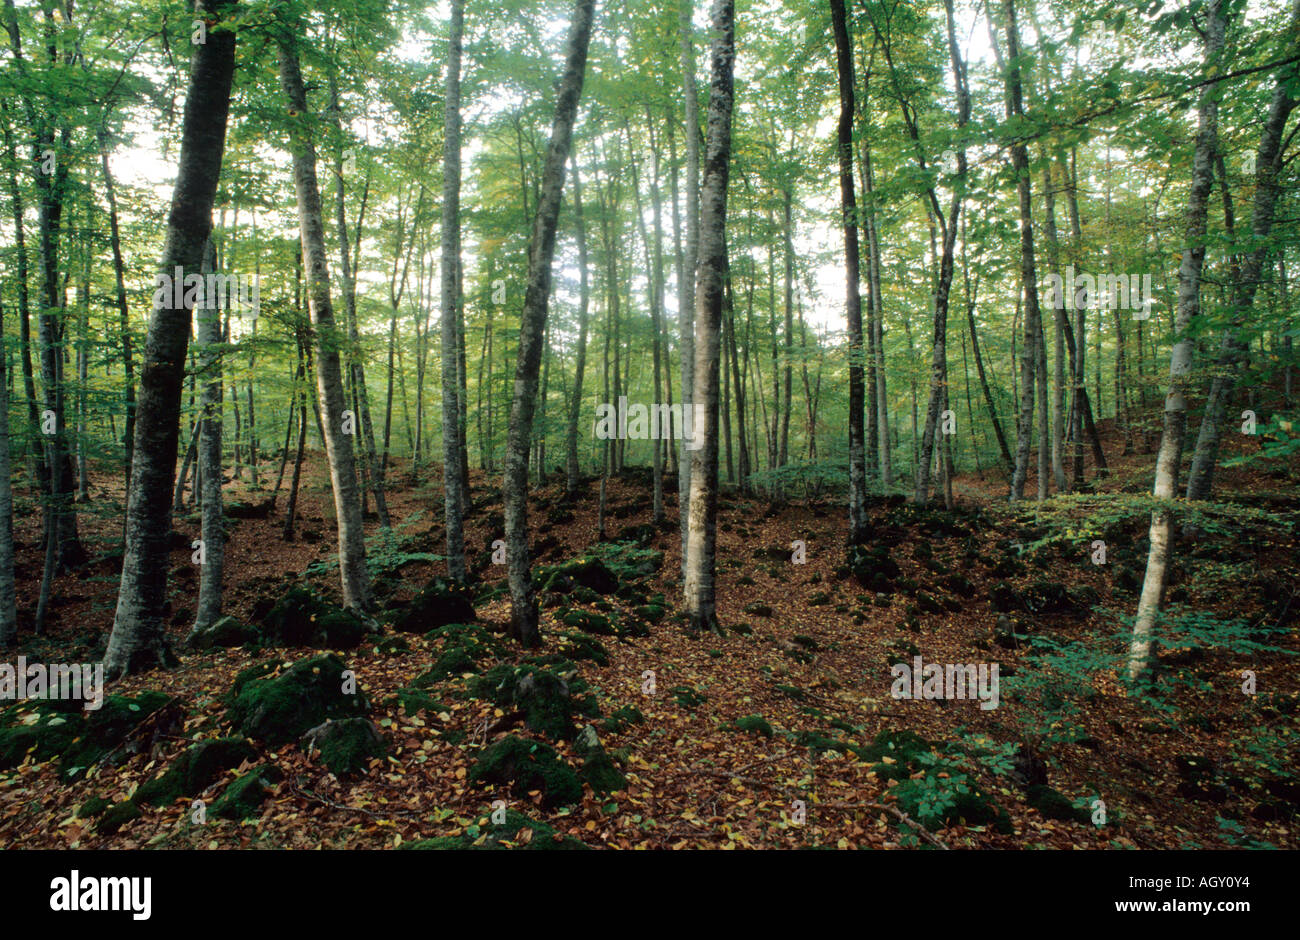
<point x="453" y="486"/>
<point x="328" y="339"/>
<point x="1180" y="360"/>
<point x="852" y="276"/>
<point x="686" y="270"/>
<point x="580" y="366"/>
<point x="701" y="606"/>
<point x="357" y="367"/>
<point x="138" y="639"/>
<point x="1028" y="272"/>
<point x="212" y="535"/>
<point x="532" y="327"/>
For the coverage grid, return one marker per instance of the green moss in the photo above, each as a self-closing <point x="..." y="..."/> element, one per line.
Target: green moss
<point x="414" y="701"/>
<point x="243" y="797"/>
<point x="93" y="807"/>
<point x="687" y="697"/>
<point x="194" y="770"/>
<point x="650" y="613"/>
<point x="304" y="618"/>
<point x="1055" y="805"/>
<point x="526" y="765"/>
<point x="621" y="717"/>
<point x="579" y="646"/>
<point x="510" y="834"/>
<point x="548" y="698"/>
<point x="599" y="771"/>
<point x="278" y="710"/>
<point x="438" y="604"/>
<point x="589" y="623"/>
<point x="116" y="816"/>
<point x="66" y="732"/>
<point x="346" y="745"/>
<point x="755" y="723"/>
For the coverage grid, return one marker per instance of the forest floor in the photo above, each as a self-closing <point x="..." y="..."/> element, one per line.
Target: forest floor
<point x="825" y="758"/>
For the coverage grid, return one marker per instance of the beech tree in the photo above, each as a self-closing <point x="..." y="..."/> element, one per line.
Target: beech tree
<point x="138" y="640"/>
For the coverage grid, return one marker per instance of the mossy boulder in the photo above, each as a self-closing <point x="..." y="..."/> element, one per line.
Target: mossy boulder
<point x="194" y="770"/>
<point x="590" y="573"/>
<point x="242" y="797"/>
<point x="650" y="613"/>
<point x="52" y="729"/>
<point x="93" y="807"/>
<point x="580" y="646"/>
<point x="525" y="766"/>
<point x="1055" y="805"/>
<point x="224" y="632"/>
<point x="277" y="710"/>
<point x="440" y="602"/>
<point x="516" y="832"/>
<point x="588" y="622"/>
<point x="304" y="618"/>
<point x="687" y="697"/>
<point x="548" y="697"/>
<point x="116" y="816"/>
<point x="755" y="723"/>
<point x="345" y="745"/>
<point x="873" y="568"/>
<point x="621" y="717"/>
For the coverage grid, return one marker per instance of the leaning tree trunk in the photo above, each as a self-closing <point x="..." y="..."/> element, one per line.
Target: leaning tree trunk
<point x="1268" y="166"/>
<point x="328" y="338"/>
<point x="1180" y="365"/>
<point x="701" y="605"/>
<point x="138" y="639"/>
<point x="852" y="276"/>
<point x="532" y="327"/>
<point x="212" y="536"/>
<point x="453" y="485"/>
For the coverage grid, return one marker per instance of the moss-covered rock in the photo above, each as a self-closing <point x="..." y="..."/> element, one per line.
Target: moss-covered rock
<point x="116" y="816"/>
<point x="194" y="770"/>
<point x="621" y="717"/>
<point x="517" y="832"/>
<point x="687" y="697"/>
<point x="304" y="618"/>
<point x="548" y="697"/>
<point x="225" y="632"/>
<point x="243" y="797"/>
<point x="590" y="573"/>
<point x="51" y="729"/>
<point x="755" y="723"/>
<point x="345" y="745"/>
<point x="93" y="807"/>
<point x="589" y="622"/>
<point x="599" y="772"/>
<point x="439" y="603"/>
<point x="650" y="613"/>
<point x="579" y="646"/>
<point x="524" y="766"/>
<point x="1054" y="805"/>
<point x="280" y="709"/>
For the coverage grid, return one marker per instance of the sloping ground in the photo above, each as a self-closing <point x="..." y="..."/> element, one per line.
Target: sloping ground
<point x="623" y="730"/>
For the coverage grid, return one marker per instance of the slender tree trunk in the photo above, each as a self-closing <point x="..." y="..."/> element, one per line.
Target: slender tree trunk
<point x="711" y="272"/>
<point x="686" y="276"/>
<point x="328" y="338"/>
<point x="8" y="608"/>
<point x="138" y="639"/>
<point x="212" y="536"/>
<point x="1189" y="281"/>
<point x="453" y="486"/>
<point x="852" y="277"/>
<point x="523" y="599"/>
<point x="580" y="368"/>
